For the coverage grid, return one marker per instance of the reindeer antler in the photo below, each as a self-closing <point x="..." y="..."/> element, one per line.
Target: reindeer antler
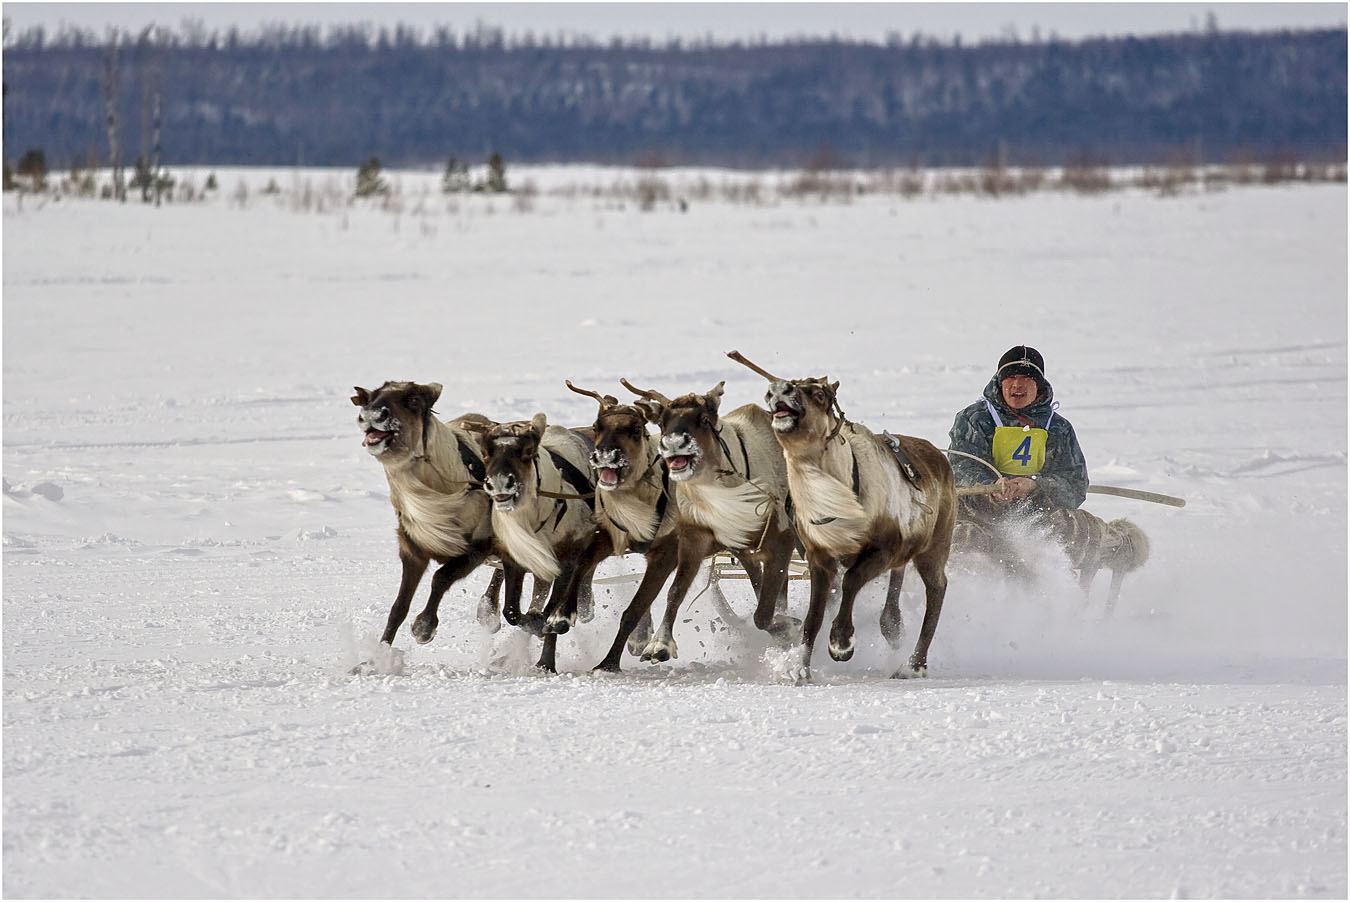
<point x="740" y="358"/>
<point x="644" y="393"/>
<point x="605" y="400"/>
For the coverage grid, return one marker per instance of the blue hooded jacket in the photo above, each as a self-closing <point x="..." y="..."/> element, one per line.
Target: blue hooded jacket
<point x="1062" y="481"/>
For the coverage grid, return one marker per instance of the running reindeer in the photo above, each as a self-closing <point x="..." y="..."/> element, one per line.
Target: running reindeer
<point x="866" y="504"/>
<point x="725" y="500"/>
<point x="542" y="517"/>
<point x="632" y="504"/>
<point x="435" y="476"/>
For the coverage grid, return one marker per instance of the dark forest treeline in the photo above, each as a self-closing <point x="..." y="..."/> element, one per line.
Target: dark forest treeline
<point x="294" y="95"/>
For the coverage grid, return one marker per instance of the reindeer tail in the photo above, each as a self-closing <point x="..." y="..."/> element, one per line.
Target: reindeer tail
<point x="1132" y="546"/>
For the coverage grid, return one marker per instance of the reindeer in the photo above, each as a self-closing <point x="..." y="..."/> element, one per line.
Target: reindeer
<point x="542" y="517"/>
<point x="434" y="475"/>
<point x="632" y="504"/>
<point x="725" y="499"/>
<point x="866" y="504"/>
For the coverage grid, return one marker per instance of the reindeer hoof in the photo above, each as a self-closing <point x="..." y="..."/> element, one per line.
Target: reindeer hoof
<point x="488" y="618"/>
<point x="841" y="652"/>
<point x="914" y="671"/>
<point x="785" y="630"/>
<point x="557" y="626"/>
<point x="892" y="627"/>
<point x="424" y="629"/>
<point x="658" y="652"/>
<point x="637" y="643"/>
<point x="532" y="623"/>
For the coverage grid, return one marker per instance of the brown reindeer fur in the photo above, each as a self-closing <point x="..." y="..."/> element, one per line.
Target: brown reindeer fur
<point x="888" y="522"/>
<point x="633" y="505"/>
<point x="709" y="459"/>
<point x="540" y="521"/>
<point x="442" y="513"/>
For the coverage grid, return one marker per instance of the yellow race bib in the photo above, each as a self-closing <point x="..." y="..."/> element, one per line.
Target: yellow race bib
<point x="1019" y="450"/>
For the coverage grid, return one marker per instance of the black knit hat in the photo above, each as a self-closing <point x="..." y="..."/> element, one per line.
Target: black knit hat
<point x="1022" y="361"/>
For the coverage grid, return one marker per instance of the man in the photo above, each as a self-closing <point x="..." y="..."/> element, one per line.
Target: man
<point x="1016" y="430"/>
<point x="1041" y="479"/>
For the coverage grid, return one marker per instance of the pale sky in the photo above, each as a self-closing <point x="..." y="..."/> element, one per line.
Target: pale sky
<point x="724" y="21"/>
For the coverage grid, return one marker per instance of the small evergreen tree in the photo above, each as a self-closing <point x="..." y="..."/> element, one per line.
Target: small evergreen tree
<point x="496" y="175"/>
<point x="33" y="166"/>
<point x="368" y="181"/>
<point x="456" y="178"/>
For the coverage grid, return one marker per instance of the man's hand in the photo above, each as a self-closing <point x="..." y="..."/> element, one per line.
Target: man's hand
<point x="1013" y="488"/>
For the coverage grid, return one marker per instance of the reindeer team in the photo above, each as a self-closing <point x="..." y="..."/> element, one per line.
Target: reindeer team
<point x="756" y="482"/>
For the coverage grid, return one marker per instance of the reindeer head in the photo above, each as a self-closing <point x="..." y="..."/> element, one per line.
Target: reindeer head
<point x="511" y="451"/>
<point x="688" y="428"/>
<point x="804" y="409"/>
<point x="394" y="419"/>
<point x="620" y="454"/>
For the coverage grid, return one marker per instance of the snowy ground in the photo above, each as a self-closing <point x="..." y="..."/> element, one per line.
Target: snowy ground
<point x="197" y="550"/>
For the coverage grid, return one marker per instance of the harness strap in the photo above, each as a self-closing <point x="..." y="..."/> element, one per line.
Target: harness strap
<point x="573" y="477"/>
<point x="472" y="462"/>
<point x="856" y="484"/>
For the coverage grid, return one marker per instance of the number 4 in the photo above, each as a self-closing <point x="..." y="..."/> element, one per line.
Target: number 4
<point x="1023" y="452"/>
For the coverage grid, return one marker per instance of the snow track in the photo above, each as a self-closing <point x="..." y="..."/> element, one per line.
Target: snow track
<point x="197" y="552"/>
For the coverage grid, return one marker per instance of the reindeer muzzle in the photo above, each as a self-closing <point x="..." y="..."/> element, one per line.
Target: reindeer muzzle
<point x="681" y="454"/>
<point x="378" y="427"/>
<point x="609" y="464"/>
<point x="504" y="492"/>
<point x="781" y="400"/>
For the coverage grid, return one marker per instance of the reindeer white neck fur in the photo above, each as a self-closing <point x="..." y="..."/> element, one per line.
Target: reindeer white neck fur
<point x="529" y="532"/>
<point x="632" y="506"/>
<point x="434" y="495"/>
<point x="735" y="509"/>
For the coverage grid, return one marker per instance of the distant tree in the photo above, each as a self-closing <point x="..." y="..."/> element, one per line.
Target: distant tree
<point x="33" y="167"/>
<point x="496" y="174"/>
<point x="368" y="180"/>
<point x="456" y="178"/>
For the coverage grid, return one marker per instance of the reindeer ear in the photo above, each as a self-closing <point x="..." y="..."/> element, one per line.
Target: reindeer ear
<point x="650" y="409"/>
<point x="714" y="396"/>
<point x="428" y="394"/>
<point x="361" y="398"/>
<point x="834" y="387"/>
<point x="539" y="423"/>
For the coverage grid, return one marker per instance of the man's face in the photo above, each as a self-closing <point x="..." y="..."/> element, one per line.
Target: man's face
<point x="1018" y="391"/>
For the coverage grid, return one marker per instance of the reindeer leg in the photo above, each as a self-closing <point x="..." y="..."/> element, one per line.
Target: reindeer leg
<point x="932" y="570"/>
<point x="489" y="607"/>
<point x="564" y="617"/>
<point x="515" y="582"/>
<point x="660" y="564"/>
<point x="822" y="578"/>
<point x="868" y="565"/>
<point x="548" y="656"/>
<point x="692" y="551"/>
<point x="414" y="566"/>
<point x="892" y="626"/>
<point x="773" y="587"/>
<point x="554" y="615"/>
<point x="586" y="601"/>
<point x="424" y="627"/>
<point x="1113" y="594"/>
<point x="539" y="590"/>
